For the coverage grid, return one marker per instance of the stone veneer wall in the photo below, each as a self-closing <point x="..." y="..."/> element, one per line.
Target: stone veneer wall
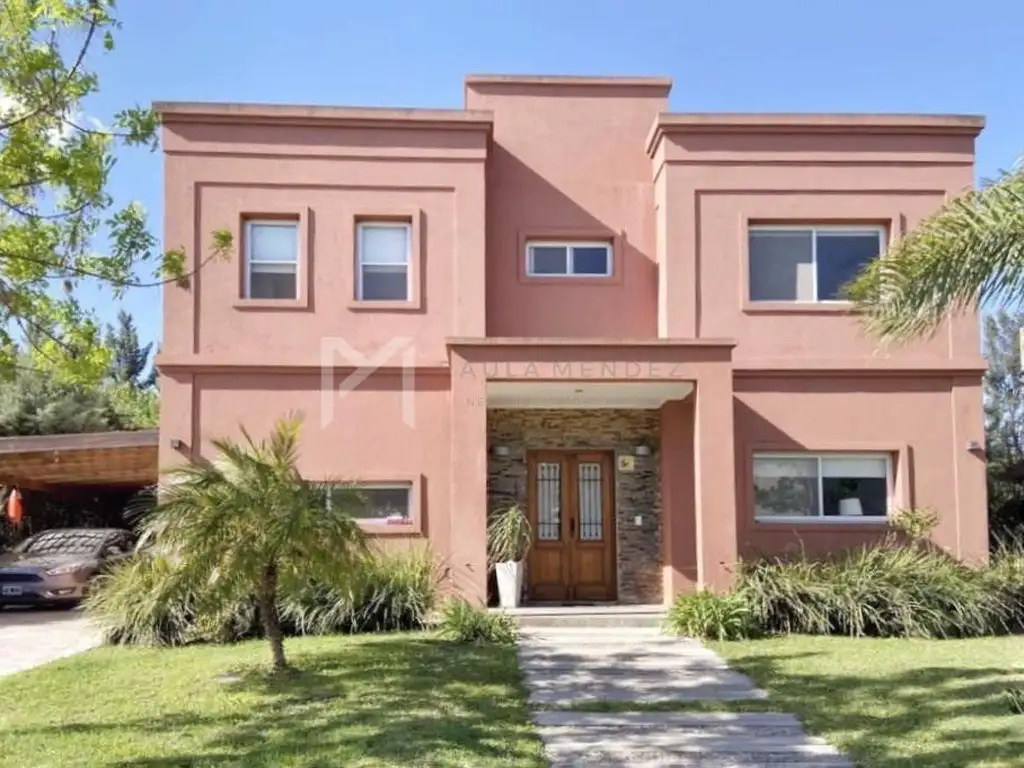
<point x="638" y="548"/>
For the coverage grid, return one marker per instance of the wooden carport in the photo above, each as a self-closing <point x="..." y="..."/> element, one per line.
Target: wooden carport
<point x="93" y="459"/>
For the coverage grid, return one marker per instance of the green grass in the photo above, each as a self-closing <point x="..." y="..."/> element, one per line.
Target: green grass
<point x="895" y="702"/>
<point x="372" y="700"/>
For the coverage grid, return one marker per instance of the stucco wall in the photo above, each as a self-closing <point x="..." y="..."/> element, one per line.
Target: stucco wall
<point x="924" y="422"/>
<point x="567" y="161"/>
<point x="638" y="548"/>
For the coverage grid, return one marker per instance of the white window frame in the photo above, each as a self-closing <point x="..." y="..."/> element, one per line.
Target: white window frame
<point x="361" y="262"/>
<point x="821" y="517"/>
<point x="249" y="224"/>
<point x="814" y="229"/>
<point x="569" y="246"/>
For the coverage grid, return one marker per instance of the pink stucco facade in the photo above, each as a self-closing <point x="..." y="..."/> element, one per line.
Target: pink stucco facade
<point x="399" y="391"/>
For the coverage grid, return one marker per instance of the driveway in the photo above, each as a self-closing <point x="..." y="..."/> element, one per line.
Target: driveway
<point x="29" y="638"/>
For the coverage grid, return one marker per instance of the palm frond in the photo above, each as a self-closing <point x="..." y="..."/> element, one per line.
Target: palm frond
<point x="228" y="518"/>
<point x="969" y="253"/>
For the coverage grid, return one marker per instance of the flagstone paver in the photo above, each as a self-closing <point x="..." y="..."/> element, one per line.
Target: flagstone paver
<point x="622" y="665"/>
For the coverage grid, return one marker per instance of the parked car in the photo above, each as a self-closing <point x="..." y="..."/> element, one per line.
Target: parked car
<point x="55" y="567"/>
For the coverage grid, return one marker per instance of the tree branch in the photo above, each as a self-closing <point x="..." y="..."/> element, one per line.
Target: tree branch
<point x="76" y="271"/>
<point x="46" y="107"/>
<point x="44" y="216"/>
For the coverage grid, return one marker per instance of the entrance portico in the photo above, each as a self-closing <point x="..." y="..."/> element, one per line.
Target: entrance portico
<point x="622" y="453"/>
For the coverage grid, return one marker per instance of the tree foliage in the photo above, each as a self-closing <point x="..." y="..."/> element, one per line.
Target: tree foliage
<point x="33" y="402"/>
<point x="969" y="254"/>
<point x="248" y="523"/>
<point x="1004" y="422"/>
<point x="130" y="358"/>
<point x="59" y="226"/>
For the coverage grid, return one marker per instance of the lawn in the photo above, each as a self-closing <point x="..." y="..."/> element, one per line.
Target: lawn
<point x="372" y="700"/>
<point x="896" y="702"/>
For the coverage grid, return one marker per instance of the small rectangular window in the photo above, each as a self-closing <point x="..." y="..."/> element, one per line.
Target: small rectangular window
<point x="568" y="259"/>
<point x="272" y="259"/>
<point x="831" y="486"/>
<point x="808" y="264"/>
<point x="385" y="502"/>
<point x="383" y="259"/>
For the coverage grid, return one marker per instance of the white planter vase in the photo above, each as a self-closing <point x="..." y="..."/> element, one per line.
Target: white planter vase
<point x="510" y="583"/>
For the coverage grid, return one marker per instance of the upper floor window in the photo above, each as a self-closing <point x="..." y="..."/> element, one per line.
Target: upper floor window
<point x="383" y="255"/>
<point x="271" y="259"/>
<point x="829" y="486"/>
<point x="811" y="263"/>
<point x="568" y="259"/>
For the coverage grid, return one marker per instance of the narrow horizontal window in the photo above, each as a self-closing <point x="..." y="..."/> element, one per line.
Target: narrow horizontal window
<point x="384" y="502"/>
<point x="808" y="264"/>
<point x="832" y="486"/>
<point x="271" y="259"/>
<point x="568" y="259"/>
<point x="383" y="261"/>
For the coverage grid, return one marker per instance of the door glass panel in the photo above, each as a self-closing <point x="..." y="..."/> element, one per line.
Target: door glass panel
<point x="591" y="500"/>
<point x="549" y="501"/>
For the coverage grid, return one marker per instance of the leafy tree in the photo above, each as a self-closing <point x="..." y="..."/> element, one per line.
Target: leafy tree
<point x="130" y="358"/>
<point x="35" y="403"/>
<point x="55" y="164"/>
<point x="136" y="408"/>
<point x="1004" y="422"/>
<point x="249" y="523"/>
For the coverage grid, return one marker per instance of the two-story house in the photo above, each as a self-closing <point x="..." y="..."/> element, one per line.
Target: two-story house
<point x="627" y="320"/>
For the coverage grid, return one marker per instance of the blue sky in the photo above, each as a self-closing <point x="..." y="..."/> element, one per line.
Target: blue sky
<point x="724" y="55"/>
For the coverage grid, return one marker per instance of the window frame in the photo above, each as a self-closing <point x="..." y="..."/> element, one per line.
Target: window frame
<point x="814" y="229"/>
<point x="249" y="223"/>
<point x="411" y="526"/>
<point x="361" y="226"/>
<point x="821" y="517"/>
<point x="570" y="245"/>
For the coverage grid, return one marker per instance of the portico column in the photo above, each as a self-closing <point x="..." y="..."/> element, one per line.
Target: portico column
<point x="715" y="479"/>
<point x="678" y="532"/>
<point x="469" y="479"/>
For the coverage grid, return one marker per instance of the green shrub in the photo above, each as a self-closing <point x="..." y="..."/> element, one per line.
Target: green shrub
<point x="710" y="616"/>
<point x="463" y="622"/>
<point x="1015" y="700"/>
<point x="1006" y="574"/>
<point x="142" y="602"/>
<point x="880" y="590"/>
<point x="916" y="524"/>
<point x="395" y="591"/>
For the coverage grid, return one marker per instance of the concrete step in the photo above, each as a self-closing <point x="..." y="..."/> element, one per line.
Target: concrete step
<point x="588" y="616"/>
<point x="681" y="739"/>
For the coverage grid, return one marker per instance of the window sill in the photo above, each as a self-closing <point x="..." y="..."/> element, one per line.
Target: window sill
<point x="596" y="280"/>
<point x="799" y="308"/>
<point x="271" y="304"/>
<point x="380" y="528"/>
<point x="826" y="522"/>
<point x="357" y="305"/>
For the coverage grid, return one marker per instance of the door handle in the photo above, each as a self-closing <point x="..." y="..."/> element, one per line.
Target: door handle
<point x="572" y="526"/>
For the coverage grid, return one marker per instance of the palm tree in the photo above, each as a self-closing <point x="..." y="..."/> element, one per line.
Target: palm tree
<point x="248" y="522"/>
<point x="969" y="253"/>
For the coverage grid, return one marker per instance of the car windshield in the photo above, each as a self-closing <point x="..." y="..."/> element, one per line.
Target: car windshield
<point x="74" y="542"/>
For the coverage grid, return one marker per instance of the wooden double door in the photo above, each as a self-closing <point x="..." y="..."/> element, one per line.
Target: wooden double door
<point x="571" y="508"/>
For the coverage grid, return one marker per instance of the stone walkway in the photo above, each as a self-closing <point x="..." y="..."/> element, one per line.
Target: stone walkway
<point x="30" y="638"/>
<point x="566" y="666"/>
